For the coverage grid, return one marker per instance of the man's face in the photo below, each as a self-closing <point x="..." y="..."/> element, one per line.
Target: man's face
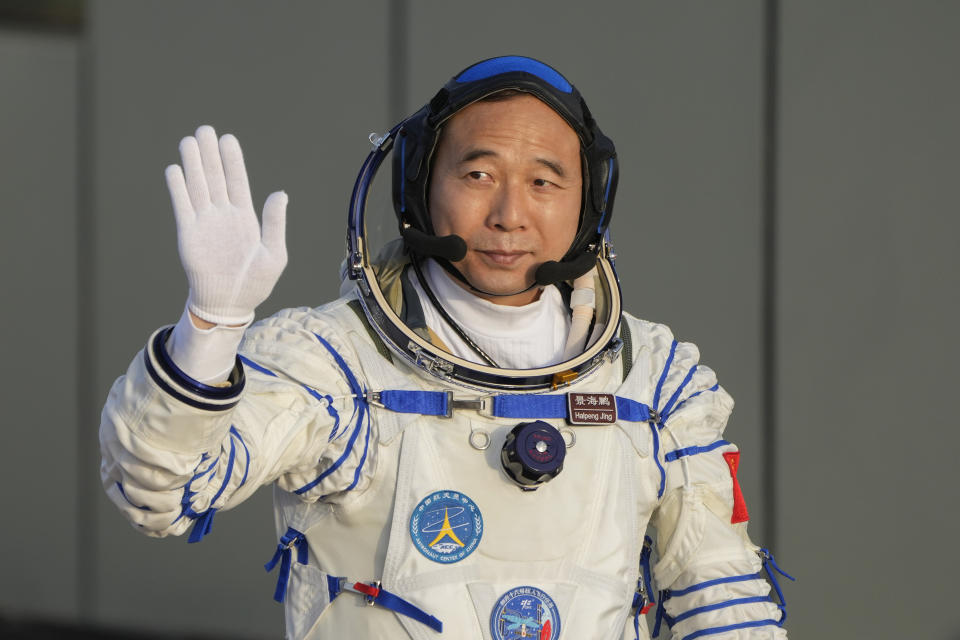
<point x="506" y="179"/>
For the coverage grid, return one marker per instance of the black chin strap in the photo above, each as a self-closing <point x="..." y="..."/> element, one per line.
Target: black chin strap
<point x="453" y="248"/>
<point x="446" y="316"/>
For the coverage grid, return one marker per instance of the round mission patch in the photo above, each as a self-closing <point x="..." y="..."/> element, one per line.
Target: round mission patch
<point x="525" y="612"/>
<point x="446" y="526"/>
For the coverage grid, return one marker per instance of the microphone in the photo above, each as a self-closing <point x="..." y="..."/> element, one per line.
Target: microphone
<point x="452" y="247"/>
<point x="552" y="272"/>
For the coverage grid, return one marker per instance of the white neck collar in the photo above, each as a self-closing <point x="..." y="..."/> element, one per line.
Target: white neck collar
<point x="524" y="337"/>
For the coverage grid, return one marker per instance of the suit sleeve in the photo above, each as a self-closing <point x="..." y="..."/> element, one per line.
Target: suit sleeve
<point x="175" y="451"/>
<point x="710" y="575"/>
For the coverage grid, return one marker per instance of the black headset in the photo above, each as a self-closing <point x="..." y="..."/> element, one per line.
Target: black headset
<point x="416" y="141"/>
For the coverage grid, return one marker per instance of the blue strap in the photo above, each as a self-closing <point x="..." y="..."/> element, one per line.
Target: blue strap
<point x="643" y="598"/>
<point x="555" y="406"/>
<point x="397" y="604"/>
<point x="694" y="450"/>
<point x="428" y="403"/>
<point x="376" y="594"/>
<point x="333" y="586"/>
<point x="202" y="526"/>
<point x="633" y="411"/>
<point x="768" y="561"/>
<point x="520" y="406"/>
<point x="283" y="555"/>
<point x="645" y="573"/>
<point x="529" y="406"/>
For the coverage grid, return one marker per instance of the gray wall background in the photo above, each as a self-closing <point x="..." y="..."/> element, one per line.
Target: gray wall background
<point x="809" y="249"/>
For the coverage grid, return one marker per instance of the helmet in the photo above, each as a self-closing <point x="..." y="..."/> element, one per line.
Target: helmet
<point x="417" y="141"/>
<point x="413" y="142"/>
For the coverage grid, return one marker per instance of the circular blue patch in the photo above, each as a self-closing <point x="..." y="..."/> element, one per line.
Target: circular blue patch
<point x="525" y="612"/>
<point x="446" y="526"/>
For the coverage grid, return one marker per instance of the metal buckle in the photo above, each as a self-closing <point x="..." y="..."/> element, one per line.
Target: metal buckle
<point x="480" y="405"/>
<point x="608" y="251"/>
<point x="356" y="265"/>
<point x="347" y="585"/>
<point x="432" y="364"/>
<point x="373" y="397"/>
<point x="616" y="346"/>
<point x="370" y="599"/>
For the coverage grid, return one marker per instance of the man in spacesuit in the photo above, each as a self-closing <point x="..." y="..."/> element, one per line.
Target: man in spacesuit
<point x="475" y="437"/>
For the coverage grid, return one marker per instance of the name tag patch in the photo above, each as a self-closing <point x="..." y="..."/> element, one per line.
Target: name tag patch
<point x="591" y="408"/>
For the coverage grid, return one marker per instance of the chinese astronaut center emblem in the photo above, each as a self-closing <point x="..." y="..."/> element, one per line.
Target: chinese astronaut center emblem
<point x="446" y="526"/>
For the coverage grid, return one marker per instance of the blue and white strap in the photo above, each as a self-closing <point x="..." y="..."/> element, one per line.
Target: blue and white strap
<point x="375" y="594"/>
<point x="519" y="406"/>
<point x="283" y="555"/>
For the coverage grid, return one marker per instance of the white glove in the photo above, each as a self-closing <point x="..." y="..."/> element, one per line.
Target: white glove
<point x="231" y="267"/>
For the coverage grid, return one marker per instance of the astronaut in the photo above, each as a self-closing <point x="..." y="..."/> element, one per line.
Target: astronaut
<point x="475" y="437"/>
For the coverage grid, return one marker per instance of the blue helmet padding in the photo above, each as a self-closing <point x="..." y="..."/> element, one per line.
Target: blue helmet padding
<point x="506" y="64"/>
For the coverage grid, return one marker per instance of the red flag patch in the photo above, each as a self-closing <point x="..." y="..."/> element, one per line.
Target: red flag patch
<point x="739" y="504"/>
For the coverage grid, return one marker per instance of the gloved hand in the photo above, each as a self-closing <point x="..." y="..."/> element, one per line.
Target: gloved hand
<point x="231" y="266"/>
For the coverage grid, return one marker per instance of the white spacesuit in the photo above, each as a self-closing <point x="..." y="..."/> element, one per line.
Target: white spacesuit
<point x="454" y="501"/>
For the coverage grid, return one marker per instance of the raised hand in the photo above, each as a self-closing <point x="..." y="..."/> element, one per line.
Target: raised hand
<point x="231" y="263"/>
